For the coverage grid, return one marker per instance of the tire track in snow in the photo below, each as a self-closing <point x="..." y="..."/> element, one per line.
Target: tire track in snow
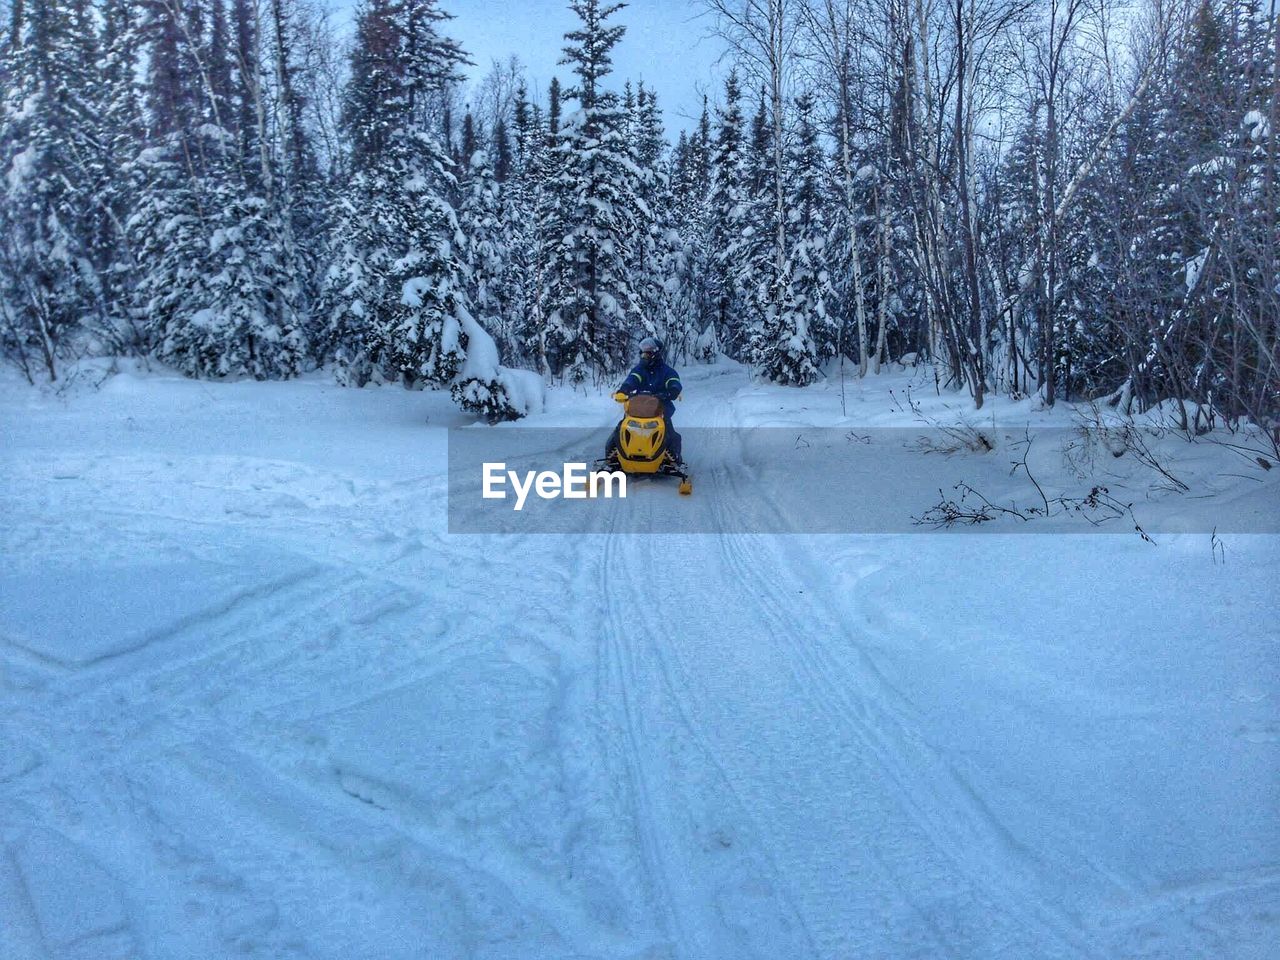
<point x="299" y="805"/>
<point x="881" y="723"/>
<point x="620" y="683"/>
<point x="642" y="683"/>
<point x="788" y="756"/>
<point x="203" y="697"/>
<point x="698" y="882"/>
<point x="848" y="902"/>
<point x="90" y="700"/>
<point x="679" y="697"/>
<point x="912" y="851"/>
<point x="834" y="904"/>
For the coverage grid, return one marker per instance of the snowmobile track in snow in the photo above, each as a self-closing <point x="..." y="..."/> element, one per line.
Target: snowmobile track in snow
<point x="621" y="683"/>
<point x="927" y="847"/>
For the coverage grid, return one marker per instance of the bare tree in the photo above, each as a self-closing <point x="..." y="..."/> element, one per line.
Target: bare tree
<point x="835" y="46"/>
<point x="494" y="98"/>
<point x="764" y="35"/>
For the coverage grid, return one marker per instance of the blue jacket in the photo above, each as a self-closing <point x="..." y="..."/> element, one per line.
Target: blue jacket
<point x="656" y="378"/>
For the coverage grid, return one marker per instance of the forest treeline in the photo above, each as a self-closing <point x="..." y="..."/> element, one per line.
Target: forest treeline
<point x="1063" y="198"/>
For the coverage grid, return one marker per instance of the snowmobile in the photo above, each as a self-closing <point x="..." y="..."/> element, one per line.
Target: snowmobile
<point x="642" y="442"/>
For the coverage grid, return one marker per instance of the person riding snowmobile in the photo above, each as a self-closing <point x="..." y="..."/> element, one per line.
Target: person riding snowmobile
<point x="652" y="375"/>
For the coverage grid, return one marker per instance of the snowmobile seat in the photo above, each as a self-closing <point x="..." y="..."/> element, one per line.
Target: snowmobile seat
<point x="644" y="406"/>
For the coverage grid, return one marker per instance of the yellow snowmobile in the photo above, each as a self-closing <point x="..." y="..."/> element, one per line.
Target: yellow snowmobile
<point x="642" y="442"/>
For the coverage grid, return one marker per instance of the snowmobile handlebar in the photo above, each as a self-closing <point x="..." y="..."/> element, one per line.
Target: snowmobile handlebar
<point x="622" y="396"/>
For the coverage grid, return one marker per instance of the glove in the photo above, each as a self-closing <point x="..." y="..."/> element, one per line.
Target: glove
<point x="621" y="397"/>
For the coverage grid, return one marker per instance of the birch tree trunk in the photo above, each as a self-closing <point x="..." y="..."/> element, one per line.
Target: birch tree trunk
<point x="972" y="358"/>
<point x="882" y="307"/>
<point x="855" y="253"/>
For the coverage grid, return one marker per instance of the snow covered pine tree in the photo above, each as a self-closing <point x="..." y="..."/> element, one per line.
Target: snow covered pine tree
<point x="396" y="289"/>
<point x="591" y="304"/>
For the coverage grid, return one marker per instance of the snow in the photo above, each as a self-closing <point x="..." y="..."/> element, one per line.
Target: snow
<point x="415" y="290"/>
<point x="1259" y="126"/>
<point x="22" y="167"/>
<point x="79" y="906"/>
<point x="205" y="319"/>
<point x="214" y="132"/>
<point x="1208" y="168"/>
<point x="153" y="155"/>
<point x="28" y="109"/>
<point x="482" y="353"/>
<point x="1195" y="266"/>
<point x="525" y="389"/>
<point x="259" y="701"/>
<point x="79" y="613"/>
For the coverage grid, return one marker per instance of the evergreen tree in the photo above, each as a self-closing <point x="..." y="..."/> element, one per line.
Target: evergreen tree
<point x="218" y="64"/>
<point x="170" y="233"/>
<point x="532" y="221"/>
<point x="299" y="171"/>
<point x="809" y="227"/>
<point x="245" y="91"/>
<point x="116" y="144"/>
<point x="1177" y="170"/>
<point x="781" y="340"/>
<point x="652" y="241"/>
<point x="691" y="271"/>
<point x="487" y="226"/>
<point x="395" y="294"/>
<point x="591" y="306"/>
<point x="48" y="141"/>
<point x="501" y="151"/>
<point x="222" y="283"/>
<point x="470" y="142"/>
<point x="173" y="81"/>
<point x="731" y="281"/>
<point x="699" y="157"/>
<point x="394" y="223"/>
<point x="1015" y="196"/>
<point x="554" y="112"/>
<point x="761" y="309"/>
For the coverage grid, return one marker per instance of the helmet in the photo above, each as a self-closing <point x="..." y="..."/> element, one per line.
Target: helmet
<point x="651" y="345"/>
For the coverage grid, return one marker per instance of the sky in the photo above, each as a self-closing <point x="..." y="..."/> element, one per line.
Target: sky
<point x="667" y="45"/>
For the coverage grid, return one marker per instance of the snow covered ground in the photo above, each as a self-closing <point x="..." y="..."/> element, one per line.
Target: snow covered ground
<point x="258" y="701"/>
